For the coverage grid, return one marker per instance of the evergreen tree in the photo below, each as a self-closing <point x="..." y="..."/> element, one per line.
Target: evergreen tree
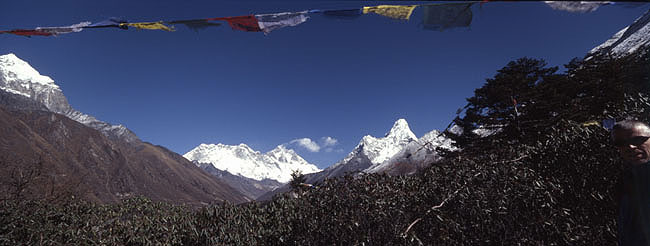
<point x="525" y="98"/>
<point x="504" y="103"/>
<point x="297" y="180"/>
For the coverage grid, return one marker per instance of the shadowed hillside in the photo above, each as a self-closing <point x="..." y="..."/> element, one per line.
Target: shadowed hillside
<point x="45" y="154"/>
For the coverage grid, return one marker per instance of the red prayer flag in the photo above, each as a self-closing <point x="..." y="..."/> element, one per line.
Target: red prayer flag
<point x="23" y="32"/>
<point x="247" y="23"/>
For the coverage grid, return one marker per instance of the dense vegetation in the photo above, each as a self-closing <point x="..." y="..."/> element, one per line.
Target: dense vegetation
<point x="534" y="169"/>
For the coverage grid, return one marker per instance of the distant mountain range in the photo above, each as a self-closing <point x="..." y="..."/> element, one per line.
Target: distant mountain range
<point x="399" y="152"/>
<point x="249" y="171"/>
<point x="277" y="164"/>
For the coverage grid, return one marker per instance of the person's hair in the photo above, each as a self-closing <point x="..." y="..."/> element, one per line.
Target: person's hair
<point x="625" y="125"/>
<point x="628" y="125"/>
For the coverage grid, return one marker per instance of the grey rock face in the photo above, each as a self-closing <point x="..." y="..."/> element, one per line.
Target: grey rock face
<point x="17" y="102"/>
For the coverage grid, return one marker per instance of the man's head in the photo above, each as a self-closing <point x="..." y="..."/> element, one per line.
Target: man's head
<point x="631" y="139"/>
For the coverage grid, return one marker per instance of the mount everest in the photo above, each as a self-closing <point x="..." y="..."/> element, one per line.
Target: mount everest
<point x="277" y="164"/>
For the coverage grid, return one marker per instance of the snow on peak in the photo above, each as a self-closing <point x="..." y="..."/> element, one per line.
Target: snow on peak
<point x="628" y="39"/>
<point x="277" y="164"/>
<point x="418" y="153"/>
<point x="282" y="150"/>
<point x="13" y="68"/>
<point x="401" y="130"/>
<point x="379" y="150"/>
<point x="399" y="145"/>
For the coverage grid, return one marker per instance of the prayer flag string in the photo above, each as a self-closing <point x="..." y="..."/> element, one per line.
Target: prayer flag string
<point x="439" y="16"/>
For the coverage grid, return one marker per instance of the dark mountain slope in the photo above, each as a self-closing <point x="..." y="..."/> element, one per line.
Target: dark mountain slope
<point x="63" y="152"/>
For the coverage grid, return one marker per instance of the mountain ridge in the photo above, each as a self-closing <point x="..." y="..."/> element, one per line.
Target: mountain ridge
<point x="373" y="155"/>
<point x="276" y="164"/>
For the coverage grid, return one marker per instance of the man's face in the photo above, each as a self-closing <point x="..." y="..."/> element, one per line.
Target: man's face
<point x="633" y="144"/>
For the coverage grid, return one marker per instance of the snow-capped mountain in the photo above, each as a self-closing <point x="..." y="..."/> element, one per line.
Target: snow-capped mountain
<point x="372" y="152"/>
<point x="18" y="77"/>
<point x="277" y="164"/>
<point x="628" y="39"/>
<point x="416" y="154"/>
<point x="398" y="146"/>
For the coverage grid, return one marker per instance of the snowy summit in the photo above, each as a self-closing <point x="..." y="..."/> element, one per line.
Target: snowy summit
<point x="379" y="150"/>
<point x="277" y="164"/>
<point x="399" y="145"/>
<point x="14" y="69"/>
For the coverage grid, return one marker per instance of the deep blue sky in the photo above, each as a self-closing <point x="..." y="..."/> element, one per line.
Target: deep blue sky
<point x="338" y="78"/>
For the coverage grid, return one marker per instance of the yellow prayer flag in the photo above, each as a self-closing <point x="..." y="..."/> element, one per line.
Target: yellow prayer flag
<point x="590" y="123"/>
<point x="150" y="26"/>
<point x="393" y="11"/>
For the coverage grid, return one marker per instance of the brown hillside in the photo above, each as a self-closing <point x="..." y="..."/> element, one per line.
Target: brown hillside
<point x="44" y="154"/>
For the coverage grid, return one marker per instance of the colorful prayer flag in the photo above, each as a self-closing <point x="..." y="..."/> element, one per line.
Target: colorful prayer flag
<point x="195" y="24"/>
<point x="27" y="33"/>
<point x="247" y="23"/>
<point x="150" y="26"/>
<point x="393" y="11"/>
<point x="444" y="16"/>
<point x="64" y="29"/>
<point x="270" y="22"/>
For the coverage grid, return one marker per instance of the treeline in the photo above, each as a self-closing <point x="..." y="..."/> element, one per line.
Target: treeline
<point x="536" y="168"/>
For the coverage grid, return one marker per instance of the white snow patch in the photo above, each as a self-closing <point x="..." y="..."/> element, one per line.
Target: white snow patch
<point x="13" y="68"/>
<point x="14" y="91"/>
